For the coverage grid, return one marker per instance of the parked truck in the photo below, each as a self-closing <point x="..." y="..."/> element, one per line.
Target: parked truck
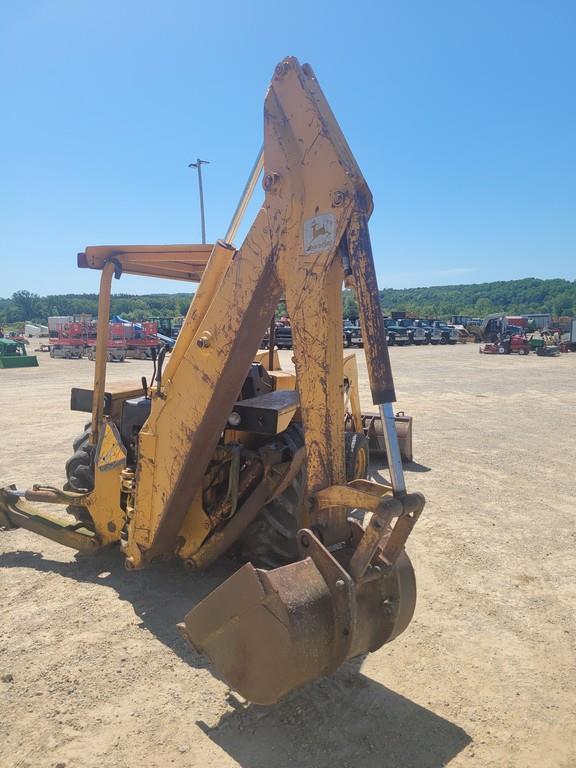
<point x="416" y="333"/>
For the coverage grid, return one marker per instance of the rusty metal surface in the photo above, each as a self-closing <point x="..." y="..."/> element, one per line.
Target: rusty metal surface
<point x="222" y="539"/>
<point x="369" y="309"/>
<point x="351" y="497"/>
<point x="200" y="436"/>
<point x="267" y="633"/>
<point x="15" y="513"/>
<point x="342" y="594"/>
<point x="265" y="480"/>
<point x="313" y="186"/>
<point x="412" y="506"/>
<point x="372" y="426"/>
<point x="377" y="528"/>
<point x="260" y="632"/>
<point x="177" y="262"/>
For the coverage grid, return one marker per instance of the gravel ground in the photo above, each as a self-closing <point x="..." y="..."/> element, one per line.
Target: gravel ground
<point x="94" y="674"/>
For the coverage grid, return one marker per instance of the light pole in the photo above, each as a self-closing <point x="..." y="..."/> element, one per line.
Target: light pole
<point x="198" y="166"/>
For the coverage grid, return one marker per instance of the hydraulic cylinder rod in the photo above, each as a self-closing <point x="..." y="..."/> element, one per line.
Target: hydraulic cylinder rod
<point x="246" y="196"/>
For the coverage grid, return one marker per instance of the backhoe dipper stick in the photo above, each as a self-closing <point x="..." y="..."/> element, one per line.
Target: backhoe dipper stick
<point x="377" y="356"/>
<point x="370" y="311"/>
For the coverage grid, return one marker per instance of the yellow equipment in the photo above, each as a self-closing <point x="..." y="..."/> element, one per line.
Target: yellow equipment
<point x="223" y="451"/>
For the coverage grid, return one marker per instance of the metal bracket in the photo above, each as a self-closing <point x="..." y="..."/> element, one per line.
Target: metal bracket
<point x="15" y="513"/>
<point x="412" y="506"/>
<point x="375" y="498"/>
<point x="342" y="591"/>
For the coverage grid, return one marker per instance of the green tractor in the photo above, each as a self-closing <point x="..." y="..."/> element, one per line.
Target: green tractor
<point x="13" y="355"/>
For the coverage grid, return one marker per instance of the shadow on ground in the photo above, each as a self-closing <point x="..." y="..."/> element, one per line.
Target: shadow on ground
<point x="345" y="720"/>
<point x="379" y="471"/>
<point x="161" y="595"/>
<point x="413" y="466"/>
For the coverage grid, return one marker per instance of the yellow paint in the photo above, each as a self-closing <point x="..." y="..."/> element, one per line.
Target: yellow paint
<point x="313" y="187"/>
<point x="104" y="501"/>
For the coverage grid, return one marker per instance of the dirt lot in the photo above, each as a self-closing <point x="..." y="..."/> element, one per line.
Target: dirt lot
<point x="93" y="673"/>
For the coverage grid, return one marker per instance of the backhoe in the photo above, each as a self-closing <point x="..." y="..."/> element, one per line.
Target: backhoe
<point x="223" y="452"/>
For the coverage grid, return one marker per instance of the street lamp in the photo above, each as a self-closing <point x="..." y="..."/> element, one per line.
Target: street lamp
<point x="198" y="166"/>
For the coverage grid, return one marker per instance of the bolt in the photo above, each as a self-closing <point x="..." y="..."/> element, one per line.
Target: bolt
<point x="204" y="341"/>
<point x="282" y="69"/>
<point x="129" y="564"/>
<point x="340" y="584"/>
<point x="339" y="197"/>
<point x="304" y="541"/>
<point x="271" y="181"/>
<point x="190" y="565"/>
<point x="111" y="527"/>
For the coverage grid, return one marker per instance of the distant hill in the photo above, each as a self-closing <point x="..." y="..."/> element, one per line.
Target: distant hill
<point x="512" y="296"/>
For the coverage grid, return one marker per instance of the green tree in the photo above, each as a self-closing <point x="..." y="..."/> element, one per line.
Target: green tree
<point x="27" y="305"/>
<point x="349" y="305"/>
<point x="483" y="306"/>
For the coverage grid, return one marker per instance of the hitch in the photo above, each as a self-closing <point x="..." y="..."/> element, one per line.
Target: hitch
<point x="16" y="513"/>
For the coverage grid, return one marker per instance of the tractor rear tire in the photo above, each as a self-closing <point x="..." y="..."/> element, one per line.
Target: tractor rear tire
<point x="80" y="474"/>
<point x="80" y="466"/>
<point x="270" y="541"/>
<point x="357" y="452"/>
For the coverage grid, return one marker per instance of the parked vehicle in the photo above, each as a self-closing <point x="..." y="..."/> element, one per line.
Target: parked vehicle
<point x="282" y="338"/>
<point x="13" y="354"/>
<point x="348" y="330"/>
<point x="353" y="336"/>
<point x="506" y="346"/>
<point x="568" y="340"/>
<point x="425" y="330"/>
<point x="493" y="327"/>
<point x="416" y="333"/>
<point x="441" y="333"/>
<point x="396" y="333"/>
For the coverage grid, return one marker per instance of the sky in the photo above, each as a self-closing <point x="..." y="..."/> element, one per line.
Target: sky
<point x="461" y="115"/>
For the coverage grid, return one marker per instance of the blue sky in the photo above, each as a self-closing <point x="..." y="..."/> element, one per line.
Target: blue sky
<point x="462" y="116"/>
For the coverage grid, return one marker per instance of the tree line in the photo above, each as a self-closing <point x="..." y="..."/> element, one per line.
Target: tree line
<point x="557" y="296"/>
<point x="24" y="305"/>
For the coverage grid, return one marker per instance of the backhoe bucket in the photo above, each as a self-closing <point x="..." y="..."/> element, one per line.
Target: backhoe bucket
<point x="372" y="425"/>
<point x="269" y="632"/>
